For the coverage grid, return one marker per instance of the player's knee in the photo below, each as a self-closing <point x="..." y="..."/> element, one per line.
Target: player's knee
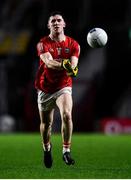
<point x="45" y="125"/>
<point x="67" y="116"/>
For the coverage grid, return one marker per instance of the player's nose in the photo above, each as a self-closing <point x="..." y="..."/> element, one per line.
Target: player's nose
<point x="56" y="22"/>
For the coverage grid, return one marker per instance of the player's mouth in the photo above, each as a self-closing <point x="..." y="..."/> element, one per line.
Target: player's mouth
<point x="56" y="26"/>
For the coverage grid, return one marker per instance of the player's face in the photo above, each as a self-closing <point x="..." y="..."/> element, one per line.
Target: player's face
<point x="56" y="24"/>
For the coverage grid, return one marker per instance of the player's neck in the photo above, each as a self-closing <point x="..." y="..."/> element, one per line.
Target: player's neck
<point x="57" y="37"/>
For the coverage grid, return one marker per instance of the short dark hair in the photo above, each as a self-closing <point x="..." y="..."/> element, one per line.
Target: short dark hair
<point x="55" y="13"/>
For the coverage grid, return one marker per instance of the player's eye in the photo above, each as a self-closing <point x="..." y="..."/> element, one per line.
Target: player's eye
<point x="59" y="20"/>
<point x="54" y="20"/>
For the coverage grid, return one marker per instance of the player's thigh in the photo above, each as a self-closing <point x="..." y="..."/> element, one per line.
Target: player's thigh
<point x="64" y="102"/>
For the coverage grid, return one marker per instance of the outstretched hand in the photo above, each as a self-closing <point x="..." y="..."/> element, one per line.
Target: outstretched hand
<point x="66" y="64"/>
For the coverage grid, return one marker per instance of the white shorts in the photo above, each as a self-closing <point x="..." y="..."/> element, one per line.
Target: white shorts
<point x="48" y="101"/>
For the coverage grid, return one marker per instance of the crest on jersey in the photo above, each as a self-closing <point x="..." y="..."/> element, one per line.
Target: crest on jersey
<point x="67" y="50"/>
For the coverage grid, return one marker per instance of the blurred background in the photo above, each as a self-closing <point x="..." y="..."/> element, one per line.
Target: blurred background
<point x="102" y="90"/>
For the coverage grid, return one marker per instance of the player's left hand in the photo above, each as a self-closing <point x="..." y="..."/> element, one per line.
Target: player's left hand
<point x="73" y="72"/>
<point x="67" y="66"/>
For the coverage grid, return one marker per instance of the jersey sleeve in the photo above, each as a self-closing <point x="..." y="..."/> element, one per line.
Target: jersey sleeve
<point x="41" y="48"/>
<point x="76" y="49"/>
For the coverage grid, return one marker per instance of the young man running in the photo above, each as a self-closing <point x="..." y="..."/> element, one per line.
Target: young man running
<point x="58" y="64"/>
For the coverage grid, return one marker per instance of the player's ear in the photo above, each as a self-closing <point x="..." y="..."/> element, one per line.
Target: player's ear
<point x="48" y="26"/>
<point x="64" y="24"/>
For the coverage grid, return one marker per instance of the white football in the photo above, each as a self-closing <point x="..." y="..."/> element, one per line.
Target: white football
<point x="97" y="38"/>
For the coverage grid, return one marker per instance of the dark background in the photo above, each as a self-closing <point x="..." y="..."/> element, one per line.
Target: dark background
<point x="102" y="88"/>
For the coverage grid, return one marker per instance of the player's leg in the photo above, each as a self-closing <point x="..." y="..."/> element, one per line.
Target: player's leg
<point x="64" y="103"/>
<point x="46" y="120"/>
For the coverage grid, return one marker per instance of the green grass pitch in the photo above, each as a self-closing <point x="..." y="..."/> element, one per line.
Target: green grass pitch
<point x="97" y="157"/>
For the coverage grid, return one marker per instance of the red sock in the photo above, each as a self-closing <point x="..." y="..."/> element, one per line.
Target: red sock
<point x="66" y="147"/>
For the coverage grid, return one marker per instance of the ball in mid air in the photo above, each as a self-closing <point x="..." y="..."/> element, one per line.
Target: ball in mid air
<point x="97" y="38"/>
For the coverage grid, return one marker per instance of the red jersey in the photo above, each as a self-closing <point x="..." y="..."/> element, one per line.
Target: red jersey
<point x="50" y="80"/>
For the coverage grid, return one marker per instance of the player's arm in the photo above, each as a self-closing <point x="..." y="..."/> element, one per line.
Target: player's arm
<point x="50" y="63"/>
<point x="71" y="65"/>
<point x="74" y="67"/>
<point x="74" y="62"/>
